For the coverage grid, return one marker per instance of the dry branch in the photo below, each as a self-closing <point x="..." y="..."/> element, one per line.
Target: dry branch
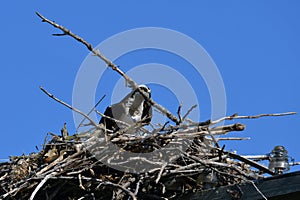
<point x="68" y="106"/>
<point x="41" y="185"/>
<point x="90" y="112"/>
<point x="111" y="65"/>
<point x="236" y="116"/>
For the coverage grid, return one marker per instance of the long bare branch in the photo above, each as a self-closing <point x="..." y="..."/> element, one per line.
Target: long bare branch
<point x="110" y="64"/>
<point x="236" y="116"/>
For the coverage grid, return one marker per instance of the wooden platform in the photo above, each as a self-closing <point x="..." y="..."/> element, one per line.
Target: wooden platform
<point x="279" y="187"/>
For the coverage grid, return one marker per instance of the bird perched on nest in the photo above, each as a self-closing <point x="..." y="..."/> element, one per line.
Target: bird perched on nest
<point x="132" y="109"/>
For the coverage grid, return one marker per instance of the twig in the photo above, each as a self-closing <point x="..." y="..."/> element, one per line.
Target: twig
<point x="250" y="162"/>
<point x="232" y="138"/>
<point x="213" y="138"/>
<point x="60" y="158"/>
<point x="236" y="116"/>
<point x="179" y="113"/>
<point x="135" y="159"/>
<point x="160" y="172"/>
<point x="188" y="112"/>
<point x="294" y="163"/>
<point x="111" y="65"/>
<point x="257" y="157"/>
<point x="68" y="106"/>
<point x="118" y="186"/>
<point x="15" y="190"/>
<point x="45" y="140"/>
<point x="90" y="112"/>
<point x="258" y="190"/>
<point x="125" y="185"/>
<point x="209" y="163"/>
<point x="41" y="185"/>
<point x="137" y="188"/>
<point x="111" y="118"/>
<point x="80" y="182"/>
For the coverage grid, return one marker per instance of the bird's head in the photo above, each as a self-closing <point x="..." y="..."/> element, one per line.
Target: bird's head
<point x="145" y="89"/>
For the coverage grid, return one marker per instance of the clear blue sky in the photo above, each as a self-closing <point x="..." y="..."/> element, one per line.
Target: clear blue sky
<point x="255" y="45"/>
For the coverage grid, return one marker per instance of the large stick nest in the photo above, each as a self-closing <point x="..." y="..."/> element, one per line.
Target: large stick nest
<point x="95" y="164"/>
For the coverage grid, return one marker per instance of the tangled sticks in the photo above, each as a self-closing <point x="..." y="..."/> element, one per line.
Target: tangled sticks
<point x="84" y="167"/>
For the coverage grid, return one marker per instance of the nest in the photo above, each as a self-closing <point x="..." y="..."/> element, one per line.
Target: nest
<point x="166" y="163"/>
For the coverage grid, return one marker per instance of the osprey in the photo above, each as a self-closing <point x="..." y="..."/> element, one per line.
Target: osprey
<point x="131" y="109"/>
